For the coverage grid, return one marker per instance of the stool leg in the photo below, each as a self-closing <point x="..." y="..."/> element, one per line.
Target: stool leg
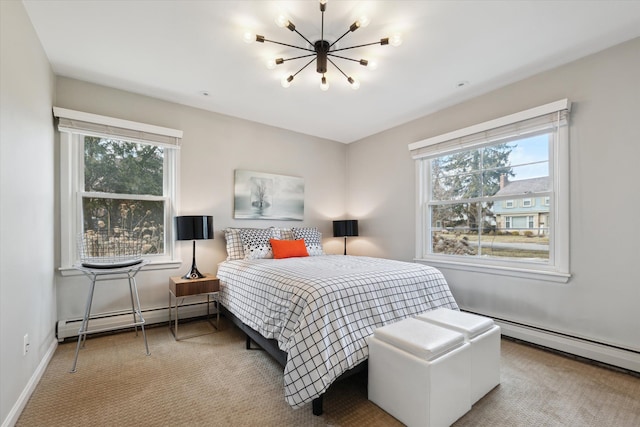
<point x="82" y="333"/>
<point x="139" y="311"/>
<point x="133" y="308"/>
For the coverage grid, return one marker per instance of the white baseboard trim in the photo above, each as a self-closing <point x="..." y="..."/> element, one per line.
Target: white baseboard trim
<point x="70" y="328"/>
<point x="610" y="355"/>
<point x="14" y="414"/>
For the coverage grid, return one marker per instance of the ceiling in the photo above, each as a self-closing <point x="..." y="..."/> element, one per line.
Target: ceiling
<point x="451" y="51"/>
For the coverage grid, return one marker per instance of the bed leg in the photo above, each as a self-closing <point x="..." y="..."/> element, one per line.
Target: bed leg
<point x="317" y="405"/>
<point x="248" y="344"/>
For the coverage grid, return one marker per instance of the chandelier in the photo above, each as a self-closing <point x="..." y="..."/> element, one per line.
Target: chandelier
<point x="322" y="51"/>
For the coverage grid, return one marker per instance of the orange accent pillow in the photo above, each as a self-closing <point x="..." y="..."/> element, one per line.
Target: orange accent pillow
<point x="288" y="248"/>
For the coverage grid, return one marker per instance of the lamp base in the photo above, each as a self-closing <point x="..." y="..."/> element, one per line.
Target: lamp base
<point x="193" y="273"/>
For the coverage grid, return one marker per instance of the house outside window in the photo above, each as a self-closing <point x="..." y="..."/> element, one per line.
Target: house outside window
<point x="118" y="186"/>
<point x="468" y="180"/>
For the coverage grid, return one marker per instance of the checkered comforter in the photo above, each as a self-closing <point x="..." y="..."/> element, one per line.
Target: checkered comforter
<point x="321" y="308"/>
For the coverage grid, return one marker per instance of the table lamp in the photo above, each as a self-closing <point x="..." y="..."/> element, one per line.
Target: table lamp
<point x="345" y="228"/>
<point x="194" y="227"/>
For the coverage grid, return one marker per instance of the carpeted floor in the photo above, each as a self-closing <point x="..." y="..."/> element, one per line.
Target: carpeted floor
<point x="213" y="381"/>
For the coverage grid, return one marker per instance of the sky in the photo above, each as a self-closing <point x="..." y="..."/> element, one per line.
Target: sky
<point x="528" y="150"/>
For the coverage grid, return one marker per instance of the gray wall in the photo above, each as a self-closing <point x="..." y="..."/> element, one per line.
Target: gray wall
<point x="213" y="146"/>
<point x="27" y="211"/>
<point x="600" y="300"/>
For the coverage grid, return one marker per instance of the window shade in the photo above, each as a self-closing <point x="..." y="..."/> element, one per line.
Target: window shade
<point x="108" y="127"/>
<point x="530" y="122"/>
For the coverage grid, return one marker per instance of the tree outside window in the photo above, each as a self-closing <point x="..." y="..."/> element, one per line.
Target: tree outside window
<point x="122" y="201"/>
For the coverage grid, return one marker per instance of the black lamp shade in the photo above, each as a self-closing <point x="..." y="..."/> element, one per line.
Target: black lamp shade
<point x="343" y="228"/>
<point x="195" y="227"/>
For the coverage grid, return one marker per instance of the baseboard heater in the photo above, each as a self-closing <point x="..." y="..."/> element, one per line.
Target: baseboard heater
<point x="69" y="328"/>
<point x="599" y="352"/>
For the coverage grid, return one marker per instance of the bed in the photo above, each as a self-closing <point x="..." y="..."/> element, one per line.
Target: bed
<point x="313" y="313"/>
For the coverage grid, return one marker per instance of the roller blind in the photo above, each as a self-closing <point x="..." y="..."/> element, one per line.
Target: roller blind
<point x="525" y="123"/>
<point x="108" y="127"/>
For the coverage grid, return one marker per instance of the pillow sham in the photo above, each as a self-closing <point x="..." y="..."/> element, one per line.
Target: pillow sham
<point x="235" y="249"/>
<point x="256" y="242"/>
<point x="283" y="233"/>
<point x="288" y="248"/>
<point x="312" y="239"/>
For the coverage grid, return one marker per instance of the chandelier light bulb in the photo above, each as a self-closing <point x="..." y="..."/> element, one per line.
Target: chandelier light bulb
<point x="286" y="81"/>
<point x="372" y="65"/>
<point x="364" y="21"/>
<point x="249" y="37"/>
<point x="282" y="21"/>
<point x="324" y="86"/>
<point x="271" y="64"/>
<point x="395" y="40"/>
<point x="355" y="84"/>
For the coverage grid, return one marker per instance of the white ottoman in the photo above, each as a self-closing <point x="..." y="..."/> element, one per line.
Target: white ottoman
<point x="484" y="337"/>
<point x="420" y="373"/>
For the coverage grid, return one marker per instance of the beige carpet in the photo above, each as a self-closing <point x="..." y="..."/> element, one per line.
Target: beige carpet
<point x="213" y="381"/>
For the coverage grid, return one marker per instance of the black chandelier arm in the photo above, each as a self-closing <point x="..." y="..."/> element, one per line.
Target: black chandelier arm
<point x="308" y="63"/>
<point x="348" y="59"/>
<point x="383" y="42"/>
<point x="305" y="39"/>
<point x="298" y="57"/>
<point x="334" y="64"/>
<point x="261" y="39"/>
<point x="339" y="38"/>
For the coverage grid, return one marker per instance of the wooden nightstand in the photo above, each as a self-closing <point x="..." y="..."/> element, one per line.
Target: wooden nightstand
<point x="182" y="288"/>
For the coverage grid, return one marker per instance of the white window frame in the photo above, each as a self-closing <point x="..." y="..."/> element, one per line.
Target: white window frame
<point x="527" y="203"/>
<point x="557" y="269"/>
<point x="73" y="126"/>
<point x="509" y="204"/>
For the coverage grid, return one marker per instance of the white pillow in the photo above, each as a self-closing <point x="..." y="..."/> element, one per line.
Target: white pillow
<point x="256" y="242"/>
<point x="235" y="249"/>
<point x="312" y="239"/>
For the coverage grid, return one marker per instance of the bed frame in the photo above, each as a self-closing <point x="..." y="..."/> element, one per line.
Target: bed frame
<point x="271" y="347"/>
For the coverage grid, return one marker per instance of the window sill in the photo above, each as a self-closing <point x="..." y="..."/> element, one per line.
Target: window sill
<point x="521" y="272"/>
<point x="154" y="265"/>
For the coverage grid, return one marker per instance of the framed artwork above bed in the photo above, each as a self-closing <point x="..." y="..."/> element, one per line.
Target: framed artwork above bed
<point x="259" y="195"/>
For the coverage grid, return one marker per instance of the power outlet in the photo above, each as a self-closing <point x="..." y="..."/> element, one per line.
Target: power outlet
<point x="25" y="345"/>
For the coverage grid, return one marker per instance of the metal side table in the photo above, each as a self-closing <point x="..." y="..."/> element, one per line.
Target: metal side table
<point x="104" y="274"/>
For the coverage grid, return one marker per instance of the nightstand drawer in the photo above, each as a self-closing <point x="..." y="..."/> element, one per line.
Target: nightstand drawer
<point x="184" y="287"/>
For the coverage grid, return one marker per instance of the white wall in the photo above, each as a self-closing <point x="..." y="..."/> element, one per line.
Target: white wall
<point x="213" y="146"/>
<point x="600" y="302"/>
<point x="27" y="210"/>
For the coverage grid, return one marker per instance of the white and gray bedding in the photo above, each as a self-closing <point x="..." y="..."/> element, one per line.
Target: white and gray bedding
<point x="321" y="308"/>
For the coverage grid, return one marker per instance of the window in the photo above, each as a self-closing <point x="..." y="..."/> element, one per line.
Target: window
<point x="469" y="178"/>
<point x="118" y="184"/>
